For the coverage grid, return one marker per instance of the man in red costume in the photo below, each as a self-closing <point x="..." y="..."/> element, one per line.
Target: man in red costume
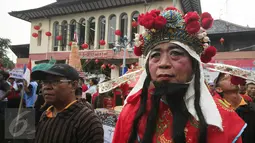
<point x="171" y="102"/>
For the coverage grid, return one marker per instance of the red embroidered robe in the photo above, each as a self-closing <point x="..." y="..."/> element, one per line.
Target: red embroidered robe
<point x="232" y="124"/>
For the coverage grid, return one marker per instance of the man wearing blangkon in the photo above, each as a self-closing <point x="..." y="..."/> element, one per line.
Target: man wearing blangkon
<point x="67" y="120"/>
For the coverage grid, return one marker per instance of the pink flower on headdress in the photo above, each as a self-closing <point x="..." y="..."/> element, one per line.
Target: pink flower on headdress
<point x="160" y="22"/>
<point x="190" y="17"/>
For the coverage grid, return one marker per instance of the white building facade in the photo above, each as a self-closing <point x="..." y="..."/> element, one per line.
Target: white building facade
<point x="89" y="21"/>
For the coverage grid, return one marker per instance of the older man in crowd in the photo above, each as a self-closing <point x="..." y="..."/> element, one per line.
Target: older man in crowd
<point x="67" y="120"/>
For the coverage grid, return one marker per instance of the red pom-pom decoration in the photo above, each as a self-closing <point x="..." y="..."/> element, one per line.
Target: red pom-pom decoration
<point x="37" y="27"/>
<point x="210" y="51"/>
<point x="205" y="59"/>
<point x="160" y="22"/>
<point x="59" y="37"/>
<point x="193" y="27"/>
<point x="48" y="33"/>
<point x="35" y="35"/>
<point x="190" y="17"/>
<point x="205" y="15"/>
<point x="84" y="46"/>
<point x="207" y="23"/>
<point x="155" y="13"/>
<point x="117" y="32"/>
<point x="237" y="80"/>
<point x="124" y="89"/>
<point x="102" y="42"/>
<point x="147" y="20"/>
<point x="137" y="51"/>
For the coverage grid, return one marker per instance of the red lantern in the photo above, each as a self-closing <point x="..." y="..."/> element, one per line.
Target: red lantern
<point x="103" y="66"/>
<point x="48" y="33"/>
<point x="70" y="43"/>
<point x="102" y="42"/>
<point x="96" y="61"/>
<point x="222" y="41"/>
<point x="112" y="67"/>
<point x="35" y="35"/>
<point x="109" y="65"/>
<point x="134" y="24"/>
<point x="59" y="37"/>
<point x="85" y="46"/>
<point x="37" y="27"/>
<point x="118" y="32"/>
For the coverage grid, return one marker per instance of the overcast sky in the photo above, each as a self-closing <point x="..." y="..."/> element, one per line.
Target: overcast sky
<point x="236" y="11"/>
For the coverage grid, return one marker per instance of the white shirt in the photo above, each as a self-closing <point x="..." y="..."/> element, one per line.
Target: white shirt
<point x="92" y="90"/>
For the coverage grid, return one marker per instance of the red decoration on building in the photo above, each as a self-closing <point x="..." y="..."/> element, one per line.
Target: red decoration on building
<point x="103" y="66"/>
<point x="84" y="46"/>
<point x="59" y="37"/>
<point x="48" y="33"/>
<point x="118" y="32"/>
<point x="96" y="61"/>
<point x="102" y="42"/>
<point x="70" y="43"/>
<point x="134" y="24"/>
<point x="222" y="41"/>
<point x="37" y="27"/>
<point x="35" y="35"/>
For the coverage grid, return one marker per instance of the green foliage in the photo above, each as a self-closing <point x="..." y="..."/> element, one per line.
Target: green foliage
<point x="4" y="60"/>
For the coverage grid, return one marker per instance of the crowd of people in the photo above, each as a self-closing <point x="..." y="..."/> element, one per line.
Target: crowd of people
<point x="171" y="101"/>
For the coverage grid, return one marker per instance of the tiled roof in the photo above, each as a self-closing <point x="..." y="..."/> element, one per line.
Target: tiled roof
<point x="221" y="26"/>
<point x="64" y="7"/>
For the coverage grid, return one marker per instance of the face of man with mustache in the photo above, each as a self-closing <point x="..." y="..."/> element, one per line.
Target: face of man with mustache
<point x="169" y="62"/>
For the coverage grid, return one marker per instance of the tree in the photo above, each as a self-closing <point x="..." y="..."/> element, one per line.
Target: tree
<point x="4" y="60"/>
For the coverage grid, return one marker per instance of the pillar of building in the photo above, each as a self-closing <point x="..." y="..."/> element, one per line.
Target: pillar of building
<point x="68" y="48"/>
<point x="59" y="33"/>
<point x="87" y="31"/>
<point x="96" y="38"/>
<point x="117" y="26"/>
<point x="106" y="32"/>
<point x="129" y="28"/>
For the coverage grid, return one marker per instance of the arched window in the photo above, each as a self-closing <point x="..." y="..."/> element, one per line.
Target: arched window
<point x="102" y="28"/>
<point x="91" y="32"/>
<point x="72" y="30"/>
<point x="82" y="28"/>
<point x="124" y="24"/>
<point x="55" y="34"/>
<point x="134" y="29"/>
<point x="63" y="42"/>
<point x="111" y="30"/>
